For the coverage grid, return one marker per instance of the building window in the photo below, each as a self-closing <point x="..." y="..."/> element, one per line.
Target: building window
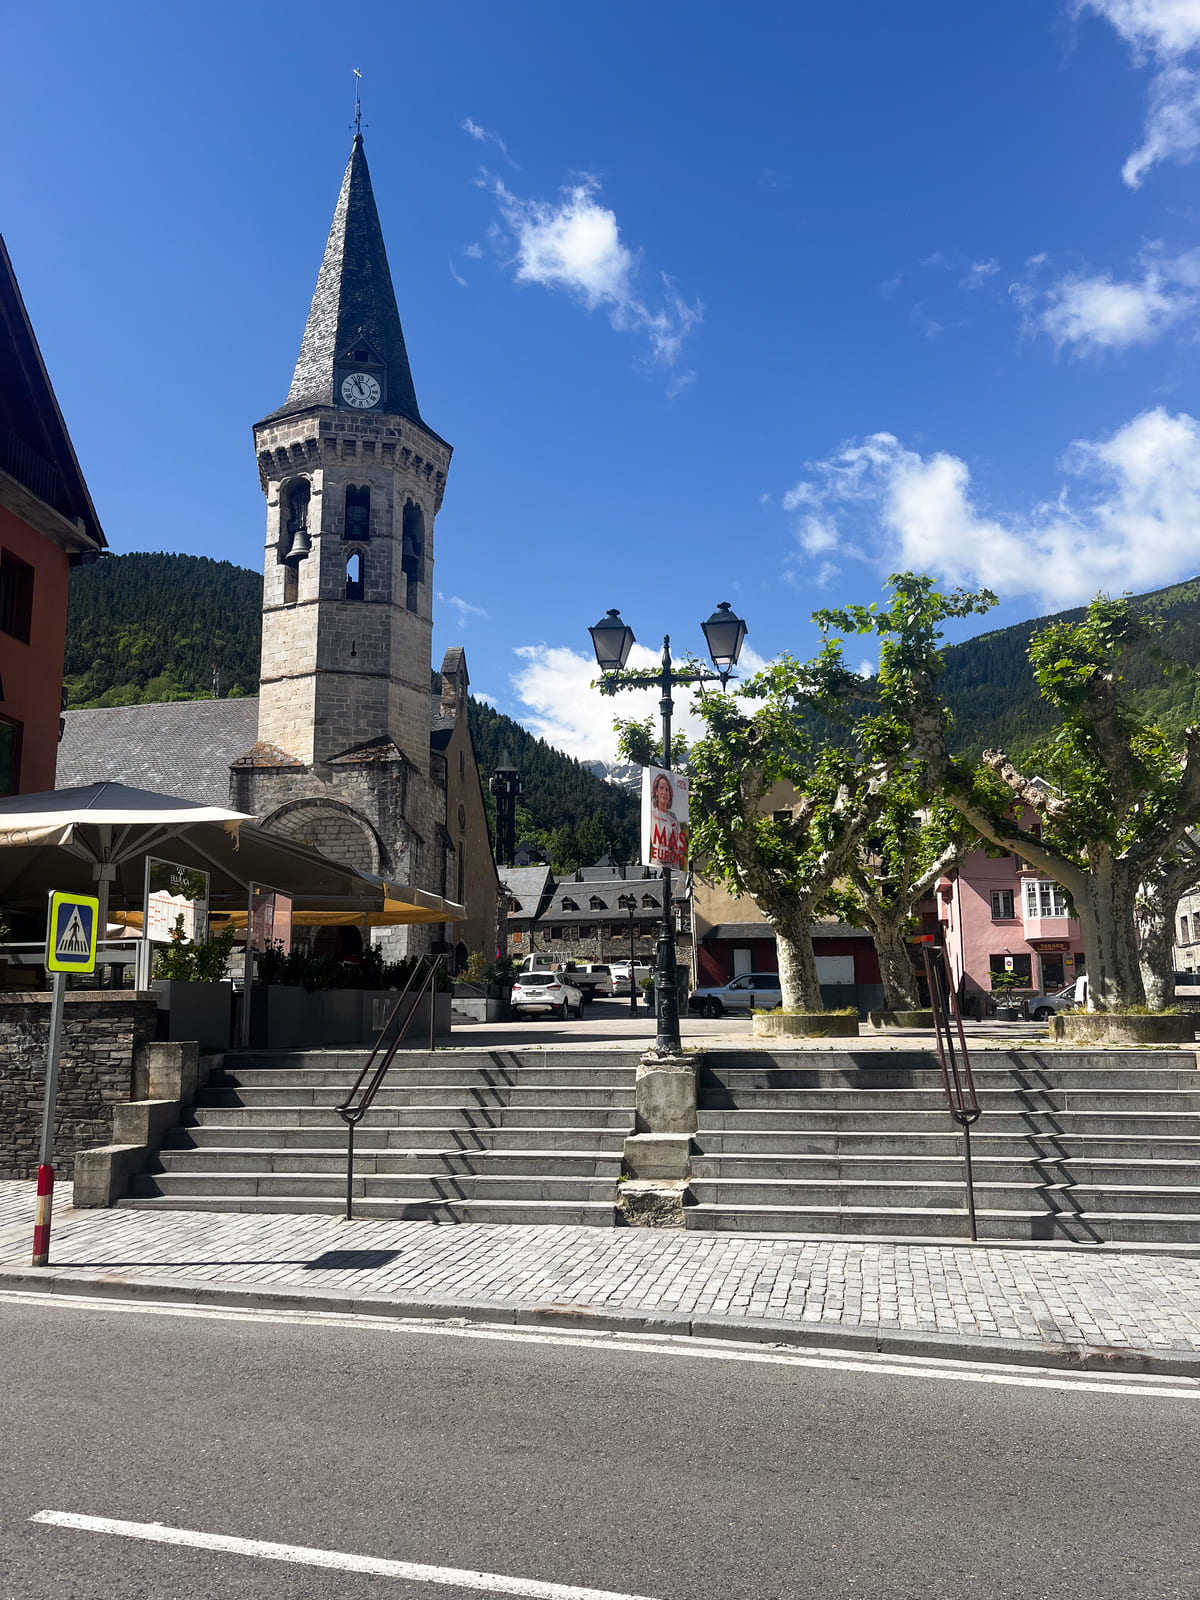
<point x="649" y="902"/>
<point x="595" y="903"/>
<point x="1021" y="965"/>
<point x="10" y="756"/>
<point x="781" y="816"/>
<point x="1002" y="905"/>
<point x="358" y="513"/>
<point x="1183" y="931"/>
<point x="412" y="552"/>
<point x="16" y="597"/>
<point x="354" y="577"/>
<point x="1044" y="898"/>
<point x="296" y="518"/>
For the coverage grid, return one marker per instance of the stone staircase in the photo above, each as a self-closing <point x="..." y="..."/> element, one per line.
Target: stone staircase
<point x="1086" y="1146"/>
<point x="463" y="1136"/>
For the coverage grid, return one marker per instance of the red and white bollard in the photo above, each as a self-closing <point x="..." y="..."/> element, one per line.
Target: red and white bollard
<point x="45" y="1205"/>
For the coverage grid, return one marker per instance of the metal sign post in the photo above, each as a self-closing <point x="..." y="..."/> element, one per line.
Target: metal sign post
<point x="71" y="935"/>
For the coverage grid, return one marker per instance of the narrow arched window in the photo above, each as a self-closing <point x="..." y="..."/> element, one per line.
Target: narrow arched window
<point x="358" y="512"/>
<point x="412" y="552"/>
<point x="354" y="577"/>
<point x="293" y="522"/>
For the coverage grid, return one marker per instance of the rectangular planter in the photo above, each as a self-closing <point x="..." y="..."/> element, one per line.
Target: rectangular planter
<point x="286" y="1018"/>
<point x="199" y="1011"/>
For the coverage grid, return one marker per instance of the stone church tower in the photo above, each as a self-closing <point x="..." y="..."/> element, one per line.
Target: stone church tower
<point x="353" y="479"/>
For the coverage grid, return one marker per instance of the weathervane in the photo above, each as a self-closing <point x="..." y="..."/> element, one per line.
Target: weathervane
<point x="358" y="122"/>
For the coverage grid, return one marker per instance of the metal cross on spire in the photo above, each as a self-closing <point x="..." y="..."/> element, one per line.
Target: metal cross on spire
<point x="358" y="122"/>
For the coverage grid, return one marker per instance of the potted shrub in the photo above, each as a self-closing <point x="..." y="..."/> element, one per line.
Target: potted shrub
<point x="195" y="998"/>
<point x="1004" y="985"/>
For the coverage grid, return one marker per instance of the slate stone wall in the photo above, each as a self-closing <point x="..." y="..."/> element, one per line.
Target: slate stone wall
<point x="101" y="1035"/>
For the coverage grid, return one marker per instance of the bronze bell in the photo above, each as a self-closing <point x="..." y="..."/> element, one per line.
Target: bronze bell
<point x="300" y="547"/>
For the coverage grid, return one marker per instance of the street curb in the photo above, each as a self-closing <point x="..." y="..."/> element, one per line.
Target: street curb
<point x="863" y="1340"/>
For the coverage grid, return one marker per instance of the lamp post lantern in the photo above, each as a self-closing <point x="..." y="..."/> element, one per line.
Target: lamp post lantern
<point x="612" y="640"/>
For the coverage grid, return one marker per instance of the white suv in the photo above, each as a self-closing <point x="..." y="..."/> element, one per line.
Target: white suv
<point x="759" y="991"/>
<point x="546" y="991"/>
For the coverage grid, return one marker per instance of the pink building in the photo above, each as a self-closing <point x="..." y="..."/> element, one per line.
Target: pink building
<point x="999" y="915"/>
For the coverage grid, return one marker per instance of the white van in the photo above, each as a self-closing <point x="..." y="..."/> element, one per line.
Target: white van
<point x="619" y="971"/>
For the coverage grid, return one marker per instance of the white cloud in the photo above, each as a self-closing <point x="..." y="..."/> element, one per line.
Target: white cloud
<point x="1132" y="526"/>
<point x="487" y="699"/>
<point x="576" y="246"/>
<point x="475" y="251"/>
<point x="463" y="607"/>
<point x="978" y="273"/>
<point x="486" y="136"/>
<point x="554" y="683"/>
<point x="1166" y="32"/>
<point x="456" y="275"/>
<point x="1098" y="312"/>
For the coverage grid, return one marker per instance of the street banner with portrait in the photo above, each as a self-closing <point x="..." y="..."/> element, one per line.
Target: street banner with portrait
<point x="665" y="825"/>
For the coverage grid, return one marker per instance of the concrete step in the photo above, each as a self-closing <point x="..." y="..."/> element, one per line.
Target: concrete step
<point x="949" y="1169"/>
<point x="547" y="1213"/>
<point x="394" y="1094"/>
<point x="719" y="1082"/>
<point x="427" y="1186"/>
<point x="1147" y="1123"/>
<point x="909" y="1100"/>
<point x="899" y="1194"/>
<point x="449" y="1074"/>
<point x="441" y="1116"/>
<point x="984" y="1142"/>
<point x="556" y="1058"/>
<point x="367" y="1137"/>
<point x="525" y="1163"/>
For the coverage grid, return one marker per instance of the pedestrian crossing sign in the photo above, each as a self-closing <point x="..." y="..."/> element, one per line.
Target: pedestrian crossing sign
<point x="71" y="942"/>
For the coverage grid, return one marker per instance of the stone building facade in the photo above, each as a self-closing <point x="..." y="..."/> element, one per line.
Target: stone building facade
<point x="350" y="754"/>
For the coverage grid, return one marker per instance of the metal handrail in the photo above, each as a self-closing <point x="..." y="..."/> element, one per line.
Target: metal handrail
<point x="355" y="1106"/>
<point x="961" y="1100"/>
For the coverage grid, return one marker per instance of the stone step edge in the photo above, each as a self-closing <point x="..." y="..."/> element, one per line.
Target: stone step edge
<point x="815" y="1336"/>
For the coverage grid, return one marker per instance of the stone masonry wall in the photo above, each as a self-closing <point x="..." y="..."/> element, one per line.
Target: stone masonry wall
<point x="101" y="1034"/>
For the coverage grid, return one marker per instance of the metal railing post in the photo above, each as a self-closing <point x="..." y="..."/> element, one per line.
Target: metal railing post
<point x="957" y="1081"/>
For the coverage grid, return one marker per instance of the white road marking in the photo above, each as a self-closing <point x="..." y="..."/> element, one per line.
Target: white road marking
<point x="1152" y="1385"/>
<point x="340" y="1560"/>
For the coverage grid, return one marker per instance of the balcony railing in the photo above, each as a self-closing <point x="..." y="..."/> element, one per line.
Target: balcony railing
<point x="37" y="474"/>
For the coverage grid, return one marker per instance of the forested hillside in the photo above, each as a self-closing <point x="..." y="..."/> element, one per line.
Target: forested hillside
<point x="989" y="685"/>
<point x="154" y="627"/>
<point x="157" y="627"/>
<point x="573" y="815"/>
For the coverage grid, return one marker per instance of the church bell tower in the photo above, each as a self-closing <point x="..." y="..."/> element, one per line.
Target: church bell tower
<point x="354" y="480"/>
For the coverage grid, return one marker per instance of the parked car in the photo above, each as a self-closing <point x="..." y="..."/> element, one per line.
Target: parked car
<point x="592" y="977"/>
<point x="1040" y="1007"/>
<point x="546" y="991"/>
<point x="619" y="971"/>
<point x="757" y="991"/>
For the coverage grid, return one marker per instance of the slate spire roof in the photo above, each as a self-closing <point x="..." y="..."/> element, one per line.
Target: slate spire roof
<point x="353" y="304"/>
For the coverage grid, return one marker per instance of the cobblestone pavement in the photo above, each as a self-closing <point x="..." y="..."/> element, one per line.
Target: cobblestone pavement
<point x="1067" y="1297"/>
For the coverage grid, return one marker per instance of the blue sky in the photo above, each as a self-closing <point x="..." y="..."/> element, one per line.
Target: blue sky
<point x="752" y="302"/>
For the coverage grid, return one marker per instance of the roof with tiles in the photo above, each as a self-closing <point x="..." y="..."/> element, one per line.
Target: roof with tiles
<point x="182" y="748"/>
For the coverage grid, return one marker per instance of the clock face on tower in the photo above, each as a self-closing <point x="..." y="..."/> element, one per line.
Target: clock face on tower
<point x="360" y="389"/>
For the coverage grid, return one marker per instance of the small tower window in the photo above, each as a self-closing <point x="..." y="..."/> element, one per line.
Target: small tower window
<point x="358" y="513"/>
<point x="412" y="552"/>
<point x="354" y="577"/>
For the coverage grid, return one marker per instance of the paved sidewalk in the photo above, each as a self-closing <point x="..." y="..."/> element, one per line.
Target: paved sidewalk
<point x="1061" y="1308"/>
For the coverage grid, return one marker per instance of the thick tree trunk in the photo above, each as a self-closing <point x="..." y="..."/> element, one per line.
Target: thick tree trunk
<point x="797" y="966"/>
<point x="1107" y="917"/>
<point x="1157" y="904"/>
<point x="900" y="991"/>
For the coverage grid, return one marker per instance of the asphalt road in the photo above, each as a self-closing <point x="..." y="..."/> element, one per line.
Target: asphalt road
<point x="653" y="1474"/>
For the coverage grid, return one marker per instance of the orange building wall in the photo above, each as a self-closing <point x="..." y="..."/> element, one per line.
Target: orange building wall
<point x="32" y="673"/>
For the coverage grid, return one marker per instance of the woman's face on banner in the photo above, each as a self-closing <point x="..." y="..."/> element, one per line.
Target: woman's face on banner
<point x="662" y="794"/>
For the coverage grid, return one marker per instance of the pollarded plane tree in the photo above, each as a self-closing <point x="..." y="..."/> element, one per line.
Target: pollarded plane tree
<point x="1109" y="802"/>
<point x="913" y="842"/>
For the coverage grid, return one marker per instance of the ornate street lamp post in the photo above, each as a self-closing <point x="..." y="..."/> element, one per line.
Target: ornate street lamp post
<point x="628" y="902"/>
<point x="612" y="640"/>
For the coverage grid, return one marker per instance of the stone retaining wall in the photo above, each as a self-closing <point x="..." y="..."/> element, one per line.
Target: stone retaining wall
<point x="102" y="1031"/>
